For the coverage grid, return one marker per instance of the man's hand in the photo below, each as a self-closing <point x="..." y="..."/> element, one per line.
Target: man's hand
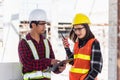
<point x="62" y="68"/>
<point x="54" y="61"/>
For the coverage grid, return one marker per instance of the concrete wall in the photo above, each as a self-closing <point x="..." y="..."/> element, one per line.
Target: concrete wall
<point x="118" y="67"/>
<point x="10" y="71"/>
<point x="112" y="67"/>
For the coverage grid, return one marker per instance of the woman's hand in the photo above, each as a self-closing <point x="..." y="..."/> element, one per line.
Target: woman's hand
<point x="54" y="61"/>
<point x="65" y="43"/>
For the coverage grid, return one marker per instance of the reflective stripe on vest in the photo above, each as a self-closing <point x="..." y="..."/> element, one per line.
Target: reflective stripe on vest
<point x="82" y="56"/>
<point x="37" y="75"/>
<point x="47" y="48"/>
<point x="78" y="70"/>
<point x="81" y="65"/>
<point x="34" y="51"/>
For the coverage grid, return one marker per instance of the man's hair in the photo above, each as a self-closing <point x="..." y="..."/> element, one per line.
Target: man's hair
<point x="35" y="22"/>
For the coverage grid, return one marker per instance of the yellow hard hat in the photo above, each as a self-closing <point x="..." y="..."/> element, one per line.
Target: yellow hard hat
<point x="80" y="19"/>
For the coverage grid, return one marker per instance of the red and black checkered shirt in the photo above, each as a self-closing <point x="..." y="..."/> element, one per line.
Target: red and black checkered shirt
<point x="27" y="59"/>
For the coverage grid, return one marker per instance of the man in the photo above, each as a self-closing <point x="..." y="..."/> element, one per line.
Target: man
<point x="35" y="52"/>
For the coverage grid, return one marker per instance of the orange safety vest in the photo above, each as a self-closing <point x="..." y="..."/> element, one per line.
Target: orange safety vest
<point x="81" y="65"/>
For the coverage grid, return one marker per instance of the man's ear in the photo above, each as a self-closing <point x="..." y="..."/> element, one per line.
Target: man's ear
<point x="33" y="25"/>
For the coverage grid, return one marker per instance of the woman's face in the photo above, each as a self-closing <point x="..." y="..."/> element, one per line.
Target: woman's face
<point x="80" y="31"/>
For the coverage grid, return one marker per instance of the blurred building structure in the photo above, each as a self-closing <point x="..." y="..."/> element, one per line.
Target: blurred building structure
<point x="1" y="23"/>
<point x="114" y="41"/>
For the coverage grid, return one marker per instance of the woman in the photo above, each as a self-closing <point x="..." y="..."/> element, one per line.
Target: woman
<point x="87" y="55"/>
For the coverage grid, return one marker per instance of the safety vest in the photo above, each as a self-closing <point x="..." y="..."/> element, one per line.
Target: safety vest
<point x="37" y="74"/>
<point x="81" y="65"/>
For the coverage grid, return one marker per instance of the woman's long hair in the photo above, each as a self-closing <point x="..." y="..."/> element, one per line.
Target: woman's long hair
<point x="88" y="35"/>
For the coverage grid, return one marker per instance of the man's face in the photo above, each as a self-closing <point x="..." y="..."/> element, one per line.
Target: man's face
<point x="40" y="27"/>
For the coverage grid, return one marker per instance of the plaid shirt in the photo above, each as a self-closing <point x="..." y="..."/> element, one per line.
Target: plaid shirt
<point x="96" y="60"/>
<point x="27" y="59"/>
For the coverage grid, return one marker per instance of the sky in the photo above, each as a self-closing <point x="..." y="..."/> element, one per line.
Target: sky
<point x="59" y="10"/>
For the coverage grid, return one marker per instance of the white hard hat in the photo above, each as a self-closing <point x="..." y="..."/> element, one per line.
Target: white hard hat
<point x="38" y="15"/>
